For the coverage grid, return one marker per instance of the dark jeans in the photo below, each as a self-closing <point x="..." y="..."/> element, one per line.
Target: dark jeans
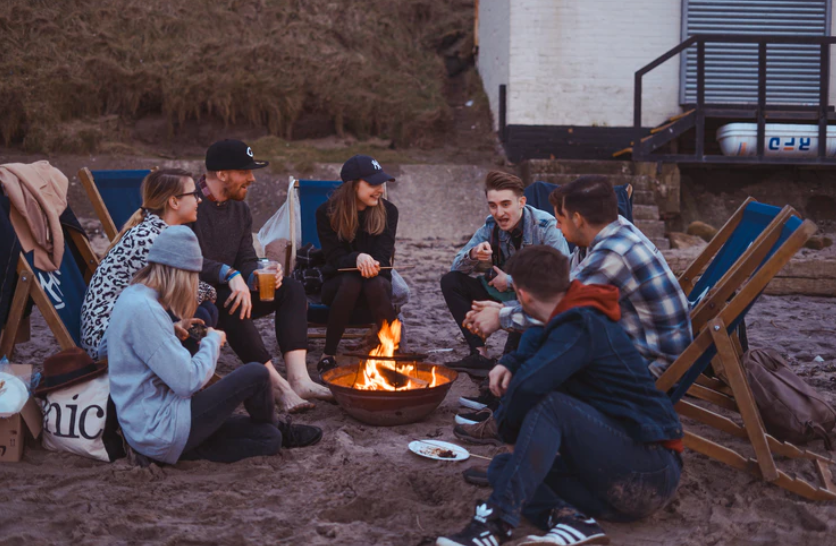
<point x="347" y="291"/>
<point x="219" y="436"/>
<point x="460" y="291"/>
<point x="291" y="309"/>
<point x="569" y="455"/>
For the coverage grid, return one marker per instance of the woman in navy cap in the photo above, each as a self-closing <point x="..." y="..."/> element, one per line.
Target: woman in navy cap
<point x="357" y="228"/>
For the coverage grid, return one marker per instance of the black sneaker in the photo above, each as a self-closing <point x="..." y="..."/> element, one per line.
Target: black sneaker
<point x="485" y="400"/>
<point x="298" y="435"/>
<point x="476" y="476"/>
<point x="325" y="364"/>
<point x="484" y="433"/>
<point x="485" y="529"/>
<point x="570" y="531"/>
<point x="473" y="418"/>
<point x="474" y="365"/>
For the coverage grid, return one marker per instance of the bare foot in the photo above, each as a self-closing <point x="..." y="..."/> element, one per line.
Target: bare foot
<point x="308" y="390"/>
<point x="290" y="402"/>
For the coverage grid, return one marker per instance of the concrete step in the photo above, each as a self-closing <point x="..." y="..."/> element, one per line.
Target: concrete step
<point x="662" y="244"/>
<point x="643" y="197"/>
<point x="652" y="229"/>
<point x="577" y="166"/>
<point x="639" y="182"/>
<point x="645" y="212"/>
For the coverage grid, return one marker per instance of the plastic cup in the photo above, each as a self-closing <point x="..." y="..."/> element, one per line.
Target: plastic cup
<point x="266" y="274"/>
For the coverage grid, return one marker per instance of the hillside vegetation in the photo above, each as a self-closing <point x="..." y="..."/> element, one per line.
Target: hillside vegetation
<point x="372" y="66"/>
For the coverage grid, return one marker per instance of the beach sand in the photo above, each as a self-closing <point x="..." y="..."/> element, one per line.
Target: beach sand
<point x="361" y="485"/>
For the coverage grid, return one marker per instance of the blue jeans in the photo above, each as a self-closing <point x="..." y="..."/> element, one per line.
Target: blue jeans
<point x="569" y="455"/>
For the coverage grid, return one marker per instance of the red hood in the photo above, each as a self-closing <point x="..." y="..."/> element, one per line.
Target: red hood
<point x="603" y="297"/>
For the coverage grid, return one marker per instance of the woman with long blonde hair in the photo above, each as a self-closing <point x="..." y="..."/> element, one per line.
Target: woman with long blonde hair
<point x="169" y="198"/>
<point x="356" y="228"/>
<point x="165" y="408"/>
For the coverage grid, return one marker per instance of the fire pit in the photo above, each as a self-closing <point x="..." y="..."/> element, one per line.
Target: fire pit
<point x="385" y="392"/>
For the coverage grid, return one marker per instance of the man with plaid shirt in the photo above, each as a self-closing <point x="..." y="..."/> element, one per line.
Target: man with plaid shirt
<point x="655" y="312"/>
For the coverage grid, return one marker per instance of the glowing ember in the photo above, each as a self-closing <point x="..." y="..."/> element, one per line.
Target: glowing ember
<point x="372" y="378"/>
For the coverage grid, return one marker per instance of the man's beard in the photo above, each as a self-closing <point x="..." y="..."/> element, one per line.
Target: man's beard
<point x="238" y="194"/>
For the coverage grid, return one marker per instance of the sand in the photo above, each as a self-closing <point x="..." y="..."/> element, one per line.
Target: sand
<point x="361" y="486"/>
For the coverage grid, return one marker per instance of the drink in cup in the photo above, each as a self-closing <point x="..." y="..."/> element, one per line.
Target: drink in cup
<point x="266" y="274"/>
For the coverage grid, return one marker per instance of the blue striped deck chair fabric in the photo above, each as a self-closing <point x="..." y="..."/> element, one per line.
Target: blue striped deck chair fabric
<point x="57" y="294"/>
<point x="312" y="194"/>
<point x="115" y="195"/>
<point x="723" y="308"/>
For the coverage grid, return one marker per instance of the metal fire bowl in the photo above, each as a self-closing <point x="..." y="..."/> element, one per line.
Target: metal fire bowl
<point x="388" y="408"/>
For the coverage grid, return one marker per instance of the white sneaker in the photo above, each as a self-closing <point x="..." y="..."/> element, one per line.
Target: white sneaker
<point x="570" y="531"/>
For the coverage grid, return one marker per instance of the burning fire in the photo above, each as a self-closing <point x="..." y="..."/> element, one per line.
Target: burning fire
<point x="376" y="374"/>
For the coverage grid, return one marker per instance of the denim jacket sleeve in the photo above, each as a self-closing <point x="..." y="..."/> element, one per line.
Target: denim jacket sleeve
<point x="561" y="354"/>
<point x="462" y="261"/>
<point x="554" y="238"/>
<point x="529" y="343"/>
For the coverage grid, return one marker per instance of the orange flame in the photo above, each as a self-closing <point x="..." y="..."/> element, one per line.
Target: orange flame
<point x="370" y="377"/>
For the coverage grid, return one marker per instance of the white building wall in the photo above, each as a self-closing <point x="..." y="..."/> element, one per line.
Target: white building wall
<point x="571" y="62"/>
<point x="494" y="39"/>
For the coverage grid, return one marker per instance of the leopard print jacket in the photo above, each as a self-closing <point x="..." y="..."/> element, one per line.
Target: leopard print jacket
<point x="114" y="274"/>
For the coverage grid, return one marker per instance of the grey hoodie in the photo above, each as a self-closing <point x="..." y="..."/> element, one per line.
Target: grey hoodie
<point x="152" y="376"/>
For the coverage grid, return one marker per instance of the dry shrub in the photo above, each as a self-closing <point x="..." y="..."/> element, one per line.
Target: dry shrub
<point x="371" y="65"/>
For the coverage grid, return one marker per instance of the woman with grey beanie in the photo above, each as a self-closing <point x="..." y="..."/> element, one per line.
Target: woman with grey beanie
<point x="166" y="411"/>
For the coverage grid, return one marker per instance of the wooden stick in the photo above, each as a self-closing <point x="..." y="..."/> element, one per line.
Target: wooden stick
<point x="350" y="269"/>
<point x="414" y="357"/>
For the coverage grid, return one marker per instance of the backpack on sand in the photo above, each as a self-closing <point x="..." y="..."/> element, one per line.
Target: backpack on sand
<point x="791" y="409"/>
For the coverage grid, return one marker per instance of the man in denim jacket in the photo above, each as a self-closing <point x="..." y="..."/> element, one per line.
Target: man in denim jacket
<point x="477" y="273"/>
<point x="575" y="393"/>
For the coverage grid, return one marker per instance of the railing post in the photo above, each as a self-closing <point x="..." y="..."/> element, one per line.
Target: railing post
<point x="824" y="98"/>
<point x="637" y="117"/>
<point x="700" y="137"/>
<point x="761" y="97"/>
<point x="502" y="111"/>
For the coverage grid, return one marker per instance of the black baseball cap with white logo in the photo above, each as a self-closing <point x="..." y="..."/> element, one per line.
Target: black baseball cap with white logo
<point x="365" y="168"/>
<point x="231" y="155"/>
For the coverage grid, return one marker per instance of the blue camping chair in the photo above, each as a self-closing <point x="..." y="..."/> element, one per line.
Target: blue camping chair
<point x="115" y="195"/>
<point x="57" y="294"/>
<point x="721" y="309"/>
<point x="312" y="194"/>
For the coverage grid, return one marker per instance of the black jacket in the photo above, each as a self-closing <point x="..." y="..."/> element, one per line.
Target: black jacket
<point x="342" y="254"/>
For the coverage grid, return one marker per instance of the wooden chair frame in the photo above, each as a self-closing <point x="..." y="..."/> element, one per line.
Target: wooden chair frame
<point x="98" y="203"/>
<point x="718" y="309"/>
<point x="28" y="286"/>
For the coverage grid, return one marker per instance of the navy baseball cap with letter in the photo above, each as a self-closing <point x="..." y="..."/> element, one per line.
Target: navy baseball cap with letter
<point x="365" y="168"/>
<point x="231" y="155"/>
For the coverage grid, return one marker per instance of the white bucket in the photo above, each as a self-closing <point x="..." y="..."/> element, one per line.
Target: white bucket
<point x="780" y="139"/>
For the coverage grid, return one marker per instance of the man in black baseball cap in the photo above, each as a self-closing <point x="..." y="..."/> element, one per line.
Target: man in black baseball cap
<point x="224" y="228"/>
<point x="363" y="167"/>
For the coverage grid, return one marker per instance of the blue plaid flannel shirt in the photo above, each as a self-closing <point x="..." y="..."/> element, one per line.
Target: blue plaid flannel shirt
<point x="654" y="310"/>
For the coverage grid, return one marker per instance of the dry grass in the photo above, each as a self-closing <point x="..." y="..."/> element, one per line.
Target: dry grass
<point x="371" y="65"/>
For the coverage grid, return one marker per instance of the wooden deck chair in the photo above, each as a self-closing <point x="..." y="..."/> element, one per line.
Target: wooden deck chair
<point x="115" y="195"/>
<point x="312" y="194"/>
<point x="720" y="311"/>
<point x="57" y="294"/>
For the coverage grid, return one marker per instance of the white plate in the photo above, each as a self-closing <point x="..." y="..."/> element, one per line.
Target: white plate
<point x="432" y="449"/>
<point x="13" y="396"/>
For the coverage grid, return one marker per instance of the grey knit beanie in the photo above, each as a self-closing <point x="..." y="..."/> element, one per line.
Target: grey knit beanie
<point x="177" y="246"/>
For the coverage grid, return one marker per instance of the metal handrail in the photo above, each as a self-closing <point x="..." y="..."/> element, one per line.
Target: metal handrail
<point x="762" y="40"/>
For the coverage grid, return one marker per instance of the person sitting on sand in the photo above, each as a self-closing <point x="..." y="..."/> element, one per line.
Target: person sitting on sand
<point x="511" y="226"/>
<point x="169" y="198"/>
<point x="654" y="310"/>
<point x="224" y="229"/>
<point x="576" y="392"/>
<point x="356" y="228"/>
<point x="156" y="384"/>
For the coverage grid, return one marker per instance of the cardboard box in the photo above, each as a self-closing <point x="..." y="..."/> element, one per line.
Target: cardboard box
<point x="12" y="429"/>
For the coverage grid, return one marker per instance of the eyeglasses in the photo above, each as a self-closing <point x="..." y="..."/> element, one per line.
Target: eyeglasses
<point x="198" y="194"/>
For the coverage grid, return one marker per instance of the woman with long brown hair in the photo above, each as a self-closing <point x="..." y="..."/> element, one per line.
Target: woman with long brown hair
<point x="357" y="229"/>
<point x="165" y="408"/>
<point x="169" y="198"/>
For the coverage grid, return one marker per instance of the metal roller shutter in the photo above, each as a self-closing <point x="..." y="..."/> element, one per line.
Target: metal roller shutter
<point x="731" y="70"/>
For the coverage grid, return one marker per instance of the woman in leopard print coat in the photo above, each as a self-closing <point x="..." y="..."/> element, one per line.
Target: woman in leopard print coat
<point x="169" y="197"/>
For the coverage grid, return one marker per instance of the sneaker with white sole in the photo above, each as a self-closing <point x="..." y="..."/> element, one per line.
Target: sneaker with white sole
<point x="486" y="400"/>
<point x="473" y="417"/>
<point x="483" y="433"/>
<point x="570" y="531"/>
<point x="485" y="529"/>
